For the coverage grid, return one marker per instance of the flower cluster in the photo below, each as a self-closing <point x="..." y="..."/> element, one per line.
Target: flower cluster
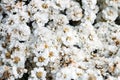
<point x="59" y="40"/>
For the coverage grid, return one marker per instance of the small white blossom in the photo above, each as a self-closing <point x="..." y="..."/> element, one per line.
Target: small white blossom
<point x="41" y="18"/>
<point x="18" y="59"/>
<point x="60" y="20"/>
<point x="67" y="73"/>
<point x="110" y="13"/>
<point x="62" y="4"/>
<point x="114" y="3"/>
<point x="74" y="13"/>
<point x="89" y="4"/>
<point x="38" y="74"/>
<point x="42" y="59"/>
<point x="18" y="32"/>
<point x="18" y="71"/>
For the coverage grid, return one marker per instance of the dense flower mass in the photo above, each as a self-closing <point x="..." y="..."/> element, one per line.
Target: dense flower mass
<point x="59" y="39"/>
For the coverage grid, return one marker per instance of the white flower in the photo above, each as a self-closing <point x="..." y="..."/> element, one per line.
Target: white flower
<point x="17" y="46"/>
<point x="62" y="4"/>
<point x="52" y="12"/>
<point x="42" y="59"/>
<point x="114" y="3"/>
<point x="8" y="1"/>
<point x="38" y="74"/>
<point x="32" y="7"/>
<point x="23" y="16"/>
<point x="68" y="73"/>
<point x="74" y="13"/>
<point x="60" y="20"/>
<point x="109" y="13"/>
<point x="41" y="33"/>
<point x="13" y="18"/>
<point x="18" y="71"/>
<point x="43" y="6"/>
<point x="19" y="32"/>
<point x="104" y="30"/>
<point x="89" y="15"/>
<point x="18" y="59"/>
<point x="67" y="35"/>
<point x="53" y="54"/>
<point x="73" y="4"/>
<point x="77" y="54"/>
<point x="38" y="5"/>
<point x="89" y="4"/>
<point x="107" y="34"/>
<point x="41" y="18"/>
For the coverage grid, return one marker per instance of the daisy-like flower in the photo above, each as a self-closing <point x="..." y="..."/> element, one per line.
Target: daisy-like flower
<point x="18" y="32"/>
<point x="60" y="20"/>
<point x="17" y="45"/>
<point x="38" y="74"/>
<point x="53" y="54"/>
<point x="6" y="57"/>
<point x="109" y="13"/>
<point x="62" y="4"/>
<point x="89" y="16"/>
<point x="41" y="18"/>
<point x="74" y="13"/>
<point x="18" y="72"/>
<point x="32" y="7"/>
<point x="89" y="4"/>
<point x="77" y="54"/>
<point x="39" y="47"/>
<point x="13" y="18"/>
<point x="42" y="59"/>
<point x="43" y="6"/>
<point x="52" y="12"/>
<point x="18" y="59"/>
<point x="23" y="16"/>
<point x="70" y="36"/>
<point x="42" y="34"/>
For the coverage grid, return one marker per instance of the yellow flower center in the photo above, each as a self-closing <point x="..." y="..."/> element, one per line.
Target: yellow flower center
<point x="7" y="55"/>
<point x="45" y="6"/>
<point x="66" y="30"/>
<point x="69" y="38"/>
<point x="50" y="54"/>
<point x="41" y="59"/>
<point x="46" y="46"/>
<point x="39" y="74"/>
<point x="16" y="59"/>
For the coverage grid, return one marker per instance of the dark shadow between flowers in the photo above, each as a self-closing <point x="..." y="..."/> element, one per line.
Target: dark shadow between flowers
<point x="117" y="21"/>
